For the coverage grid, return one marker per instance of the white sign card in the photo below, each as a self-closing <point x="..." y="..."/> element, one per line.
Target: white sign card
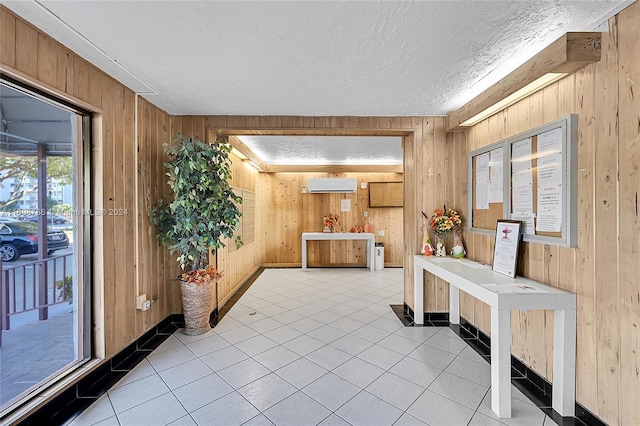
<point x="505" y="254"/>
<point x="549" y="170"/>
<point x="482" y="181"/>
<point x="496" y="180"/>
<point x="527" y="220"/>
<point x="522" y="177"/>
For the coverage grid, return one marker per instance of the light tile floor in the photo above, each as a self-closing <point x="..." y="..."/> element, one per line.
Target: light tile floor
<point x="320" y="347"/>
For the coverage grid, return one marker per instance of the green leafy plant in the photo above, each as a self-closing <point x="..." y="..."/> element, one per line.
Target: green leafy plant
<point x="204" y="210"/>
<point x="66" y="288"/>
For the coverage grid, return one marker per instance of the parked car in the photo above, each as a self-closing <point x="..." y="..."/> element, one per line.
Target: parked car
<point x="19" y="238"/>
<point x="51" y="219"/>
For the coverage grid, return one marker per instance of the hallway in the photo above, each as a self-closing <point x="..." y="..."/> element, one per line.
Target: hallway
<point x="307" y="348"/>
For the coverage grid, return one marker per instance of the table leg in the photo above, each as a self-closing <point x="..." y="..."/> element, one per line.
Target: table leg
<point x="454" y="304"/>
<point x="371" y="255"/>
<point x="564" y="362"/>
<point x="501" y="362"/>
<point x="418" y="295"/>
<point x="304" y="254"/>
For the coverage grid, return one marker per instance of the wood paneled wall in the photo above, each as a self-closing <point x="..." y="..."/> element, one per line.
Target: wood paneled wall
<point x="124" y="250"/>
<point x="604" y="268"/>
<point x="286" y="212"/>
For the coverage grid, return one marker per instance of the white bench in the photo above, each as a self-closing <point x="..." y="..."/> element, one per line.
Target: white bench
<point x="339" y="236"/>
<point x="504" y="294"/>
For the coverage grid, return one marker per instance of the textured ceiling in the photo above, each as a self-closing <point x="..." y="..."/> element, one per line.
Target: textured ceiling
<point x="326" y="149"/>
<point x="26" y="121"/>
<point x="363" y="58"/>
<point x="311" y="58"/>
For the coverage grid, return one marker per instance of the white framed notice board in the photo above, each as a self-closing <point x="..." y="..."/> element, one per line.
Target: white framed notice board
<point x="530" y="177"/>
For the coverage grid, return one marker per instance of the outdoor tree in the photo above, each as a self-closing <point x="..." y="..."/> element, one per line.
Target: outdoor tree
<point x="19" y="170"/>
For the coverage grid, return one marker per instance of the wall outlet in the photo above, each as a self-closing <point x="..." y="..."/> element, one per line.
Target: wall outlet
<point x="366" y="213"/>
<point x="380" y="233"/>
<point x="363" y="185"/>
<point x="141" y="300"/>
<point x="146" y="305"/>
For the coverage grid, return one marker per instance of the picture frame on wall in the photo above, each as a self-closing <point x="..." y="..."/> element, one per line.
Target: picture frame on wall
<point x="505" y="252"/>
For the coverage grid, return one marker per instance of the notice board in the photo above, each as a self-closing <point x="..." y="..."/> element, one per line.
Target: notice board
<point x="530" y="177"/>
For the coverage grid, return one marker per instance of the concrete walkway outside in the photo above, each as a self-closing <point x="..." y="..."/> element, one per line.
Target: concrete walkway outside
<point x="33" y="352"/>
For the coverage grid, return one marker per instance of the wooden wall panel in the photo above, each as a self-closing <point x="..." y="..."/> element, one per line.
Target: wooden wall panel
<point x="26" y="48"/>
<point x="288" y="212"/>
<point x="603" y="270"/>
<point x="7" y="39"/>
<point x="629" y="236"/>
<point x="606" y="207"/>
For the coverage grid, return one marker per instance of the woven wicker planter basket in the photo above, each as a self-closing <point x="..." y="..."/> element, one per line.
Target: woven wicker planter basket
<point x="197" y="304"/>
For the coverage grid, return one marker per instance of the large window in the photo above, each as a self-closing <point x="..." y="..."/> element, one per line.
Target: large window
<point x="43" y="297"/>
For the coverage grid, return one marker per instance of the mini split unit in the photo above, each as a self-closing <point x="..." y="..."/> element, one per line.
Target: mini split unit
<point x="322" y="185"/>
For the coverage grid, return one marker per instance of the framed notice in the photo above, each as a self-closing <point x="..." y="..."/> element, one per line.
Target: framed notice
<point x="530" y="177"/>
<point x="385" y="194"/>
<point x="505" y="253"/>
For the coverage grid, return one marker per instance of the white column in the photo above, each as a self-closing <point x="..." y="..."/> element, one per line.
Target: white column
<point x="304" y="253"/>
<point x="501" y="362"/>
<point x="371" y="251"/>
<point x="564" y="362"/>
<point x="454" y="304"/>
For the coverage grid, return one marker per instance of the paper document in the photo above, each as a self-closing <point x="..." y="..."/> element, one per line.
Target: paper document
<point x="513" y="288"/>
<point x="496" y="180"/>
<point x="482" y="182"/>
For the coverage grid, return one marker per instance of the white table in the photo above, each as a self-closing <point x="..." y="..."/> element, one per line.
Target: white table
<point x="339" y="236"/>
<point x="503" y="294"/>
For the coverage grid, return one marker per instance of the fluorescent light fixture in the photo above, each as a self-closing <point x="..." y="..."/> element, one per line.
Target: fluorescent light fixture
<point x="527" y="90"/>
<point x="564" y="56"/>
<point x="238" y="154"/>
<point x="245" y="159"/>
<point x="252" y="164"/>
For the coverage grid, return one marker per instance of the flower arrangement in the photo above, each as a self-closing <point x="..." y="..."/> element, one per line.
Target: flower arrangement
<point x="203" y="276"/>
<point x="445" y="221"/>
<point x="331" y="220"/>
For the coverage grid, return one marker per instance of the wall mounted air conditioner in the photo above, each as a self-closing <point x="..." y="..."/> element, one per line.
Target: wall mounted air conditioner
<point x="321" y="185"/>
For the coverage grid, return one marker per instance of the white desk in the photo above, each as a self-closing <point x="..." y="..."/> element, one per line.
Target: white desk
<point x="503" y="294"/>
<point x="340" y="236"/>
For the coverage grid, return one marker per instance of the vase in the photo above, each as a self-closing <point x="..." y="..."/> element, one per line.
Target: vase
<point x="458" y="250"/>
<point x="441" y="249"/>
<point x="326" y="229"/>
<point x="197" y="304"/>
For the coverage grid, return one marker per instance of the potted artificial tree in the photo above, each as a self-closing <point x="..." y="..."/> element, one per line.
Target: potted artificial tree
<point x="202" y="213"/>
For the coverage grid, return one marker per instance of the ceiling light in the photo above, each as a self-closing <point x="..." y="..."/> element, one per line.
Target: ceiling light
<point x="252" y="164"/>
<point x="238" y="154"/>
<point x="566" y="55"/>
<point x="527" y="90"/>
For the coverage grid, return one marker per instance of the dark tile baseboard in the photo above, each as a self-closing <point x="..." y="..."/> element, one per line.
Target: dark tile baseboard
<point x="530" y="383"/>
<point x="87" y="390"/>
<point x="431" y="319"/>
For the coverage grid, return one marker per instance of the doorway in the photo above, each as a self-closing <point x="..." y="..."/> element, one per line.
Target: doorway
<point x="44" y="306"/>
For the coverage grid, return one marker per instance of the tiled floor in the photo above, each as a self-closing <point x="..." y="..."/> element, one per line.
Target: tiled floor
<point x="309" y="348"/>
